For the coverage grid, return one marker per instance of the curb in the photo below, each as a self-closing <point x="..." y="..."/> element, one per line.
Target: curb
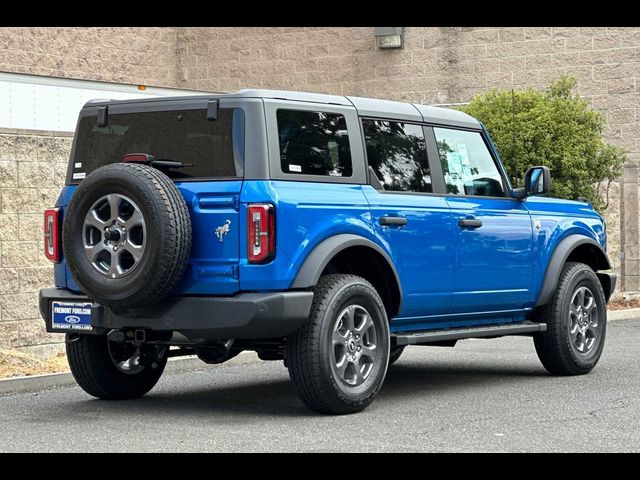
<point x="34" y="383"/>
<point x="623" y="314"/>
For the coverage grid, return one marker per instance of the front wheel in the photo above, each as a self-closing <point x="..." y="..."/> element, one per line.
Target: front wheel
<point x="338" y="359"/>
<point x="576" y="319"/>
<point x="114" y="371"/>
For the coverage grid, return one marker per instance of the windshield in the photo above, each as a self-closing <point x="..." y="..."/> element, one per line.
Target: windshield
<point x="211" y="148"/>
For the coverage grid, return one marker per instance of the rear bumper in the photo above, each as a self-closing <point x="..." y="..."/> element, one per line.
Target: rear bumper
<point x="243" y="316"/>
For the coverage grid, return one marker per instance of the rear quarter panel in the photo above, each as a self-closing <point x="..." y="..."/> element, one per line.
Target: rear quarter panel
<point x="61" y="276"/>
<point x="306" y="214"/>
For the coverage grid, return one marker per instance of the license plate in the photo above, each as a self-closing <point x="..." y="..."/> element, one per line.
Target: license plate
<point x="71" y="316"/>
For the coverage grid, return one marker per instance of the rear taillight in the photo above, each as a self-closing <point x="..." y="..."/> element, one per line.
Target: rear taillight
<point x="261" y="230"/>
<point x="52" y="234"/>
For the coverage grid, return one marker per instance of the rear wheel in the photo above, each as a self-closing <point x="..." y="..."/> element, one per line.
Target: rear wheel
<point x="114" y="371"/>
<point x="576" y="319"/>
<point x="338" y="359"/>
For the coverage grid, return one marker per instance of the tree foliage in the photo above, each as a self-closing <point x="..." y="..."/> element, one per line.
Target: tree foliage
<point x="555" y="128"/>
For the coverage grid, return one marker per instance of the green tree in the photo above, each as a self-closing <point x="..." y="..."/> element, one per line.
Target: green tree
<point x="555" y="128"/>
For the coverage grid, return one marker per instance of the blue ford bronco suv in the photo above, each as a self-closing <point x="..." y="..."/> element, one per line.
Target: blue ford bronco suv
<point x="326" y="231"/>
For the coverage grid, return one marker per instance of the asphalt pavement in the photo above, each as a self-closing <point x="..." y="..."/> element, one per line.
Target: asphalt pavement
<point x="482" y="395"/>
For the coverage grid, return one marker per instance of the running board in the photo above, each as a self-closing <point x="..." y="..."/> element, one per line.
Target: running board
<point x="436" y="336"/>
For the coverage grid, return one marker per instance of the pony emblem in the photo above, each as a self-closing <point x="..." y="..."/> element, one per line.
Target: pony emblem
<point x="222" y="230"/>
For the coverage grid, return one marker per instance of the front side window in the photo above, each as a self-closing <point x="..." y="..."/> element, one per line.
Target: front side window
<point x="467" y="164"/>
<point x="314" y="143"/>
<point x="397" y="153"/>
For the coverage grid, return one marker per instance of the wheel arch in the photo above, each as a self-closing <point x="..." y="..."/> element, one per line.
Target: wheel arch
<point x="348" y="253"/>
<point x="573" y="248"/>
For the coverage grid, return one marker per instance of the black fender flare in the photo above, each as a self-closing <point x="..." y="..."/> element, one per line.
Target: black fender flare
<point x="315" y="263"/>
<point x="559" y="258"/>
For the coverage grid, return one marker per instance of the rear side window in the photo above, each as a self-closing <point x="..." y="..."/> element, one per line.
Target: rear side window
<point x="397" y="153"/>
<point x="215" y="148"/>
<point x="314" y="143"/>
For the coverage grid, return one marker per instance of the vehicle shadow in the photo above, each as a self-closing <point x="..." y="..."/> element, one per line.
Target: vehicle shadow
<point x="411" y="379"/>
<point x="275" y="395"/>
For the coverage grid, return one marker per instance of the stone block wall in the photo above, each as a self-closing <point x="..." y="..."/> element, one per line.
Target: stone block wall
<point x="32" y="171"/>
<point x="134" y="55"/>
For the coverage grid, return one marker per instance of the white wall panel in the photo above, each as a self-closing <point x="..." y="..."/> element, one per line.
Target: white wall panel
<point x="47" y="103"/>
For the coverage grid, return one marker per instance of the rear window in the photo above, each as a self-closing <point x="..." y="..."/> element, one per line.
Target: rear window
<point x="215" y="148"/>
<point x="314" y="143"/>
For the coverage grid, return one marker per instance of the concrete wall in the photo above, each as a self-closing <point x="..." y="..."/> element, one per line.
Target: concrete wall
<point x="437" y="65"/>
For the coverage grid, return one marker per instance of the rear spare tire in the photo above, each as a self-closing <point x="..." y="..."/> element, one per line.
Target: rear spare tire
<point x="126" y="235"/>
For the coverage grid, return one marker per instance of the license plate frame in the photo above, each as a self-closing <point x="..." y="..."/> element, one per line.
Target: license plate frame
<point x="71" y="316"/>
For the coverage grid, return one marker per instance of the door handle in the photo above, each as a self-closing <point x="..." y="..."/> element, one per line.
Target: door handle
<point x="469" y="223"/>
<point x="393" y="221"/>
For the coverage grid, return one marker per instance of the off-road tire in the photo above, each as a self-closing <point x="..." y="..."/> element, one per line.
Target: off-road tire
<point x="308" y="354"/>
<point x="554" y="346"/>
<point x="168" y="235"/>
<point x="93" y="369"/>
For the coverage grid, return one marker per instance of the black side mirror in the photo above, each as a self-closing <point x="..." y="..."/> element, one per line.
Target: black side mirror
<point x="537" y="181"/>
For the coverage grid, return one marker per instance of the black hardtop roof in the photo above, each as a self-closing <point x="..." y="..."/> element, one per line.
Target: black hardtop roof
<point x="369" y="107"/>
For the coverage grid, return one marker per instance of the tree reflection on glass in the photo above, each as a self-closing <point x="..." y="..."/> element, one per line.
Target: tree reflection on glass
<point x="397" y="153"/>
<point x="314" y="143"/>
<point x="444" y="150"/>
